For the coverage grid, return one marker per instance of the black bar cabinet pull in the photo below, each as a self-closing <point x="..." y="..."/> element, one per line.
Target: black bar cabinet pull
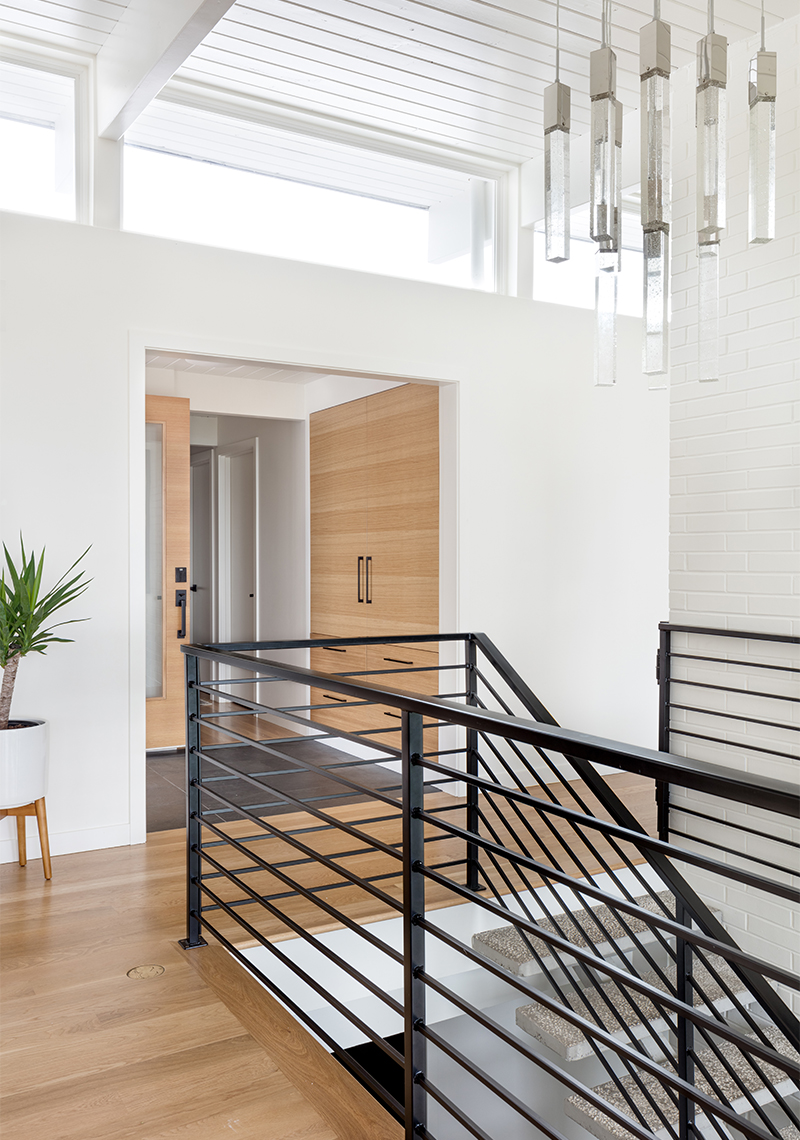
<point x="358" y="576"/>
<point x="369" y="564"/>
<point x="180" y="600"/>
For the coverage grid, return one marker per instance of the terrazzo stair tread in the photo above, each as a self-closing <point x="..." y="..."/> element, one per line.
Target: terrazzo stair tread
<point x="505" y="947"/>
<point x="790" y="1132"/>
<point x="603" y="1127"/>
<point x="570" y="1043"/>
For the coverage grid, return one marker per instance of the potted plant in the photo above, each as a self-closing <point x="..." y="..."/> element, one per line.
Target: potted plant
<point x="25" y="612"/>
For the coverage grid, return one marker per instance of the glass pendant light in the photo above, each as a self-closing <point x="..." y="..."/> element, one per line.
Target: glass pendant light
<point x="762" y="91"/>
<point x="604" y="210"/>
<point x="556" y="161"/>
<point x="656" y="185"/>
<point x="711" y="112"/>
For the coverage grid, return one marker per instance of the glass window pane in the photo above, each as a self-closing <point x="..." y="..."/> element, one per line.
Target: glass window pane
<point x="207" y="178"/>
<point x="154" y="547"/>
<point x="37" y="142"/>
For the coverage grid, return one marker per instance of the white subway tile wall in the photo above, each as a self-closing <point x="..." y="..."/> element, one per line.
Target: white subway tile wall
<point x="735" y="496"/>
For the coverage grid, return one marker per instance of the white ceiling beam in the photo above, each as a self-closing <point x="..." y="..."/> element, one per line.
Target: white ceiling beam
<point x="149" y="43"/>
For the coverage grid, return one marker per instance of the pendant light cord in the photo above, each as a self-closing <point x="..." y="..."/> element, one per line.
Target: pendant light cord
<point x="710" y="16"/>
<point x="558" y="40"/>
<point x="763" y="28"/>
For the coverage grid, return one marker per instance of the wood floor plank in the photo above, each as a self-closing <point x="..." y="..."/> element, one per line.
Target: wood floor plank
<point x="90" y="1054"/>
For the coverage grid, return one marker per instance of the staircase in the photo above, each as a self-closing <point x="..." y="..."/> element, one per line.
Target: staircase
<point x="492" y="919"/>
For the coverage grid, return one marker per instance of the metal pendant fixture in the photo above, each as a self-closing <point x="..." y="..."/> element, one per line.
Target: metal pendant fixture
<point x="656" y="187"/>
<point x="762" y="91"/>
<point x="556" y="161"/>
<point x="605" y="215"/>
<point x="711" y="114"/>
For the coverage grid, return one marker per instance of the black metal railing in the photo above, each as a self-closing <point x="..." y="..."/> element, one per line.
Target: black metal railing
<point x="725" y="694"/>
<point x="639" y="1011"/>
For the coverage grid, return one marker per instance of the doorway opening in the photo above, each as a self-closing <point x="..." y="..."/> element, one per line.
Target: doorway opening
<point x="248" y="507"/>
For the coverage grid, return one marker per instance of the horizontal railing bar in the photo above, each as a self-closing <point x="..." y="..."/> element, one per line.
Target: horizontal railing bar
<point x="333" y="855"/>
<point x="638" y="839"/>
<point x="499" y="1091"/>
<point x="621" y="977"/>
<point x="314" y="890"/>
<point x="300" y="765"/>
<point x="553" y="1070"/>
<point x="642" y="1060"/>
<point x="731" y="689"/>
<point x="734" y="661"/>
<point x="729" y="952"/>
<point x="450" y="1107"/>
<point x="737" y="853"/>
<point x="301" y="932"/>
<point x="313" y="643"/>
<point x="392" y="753"/>
<point x="311" y="830"/>
<point x="785" y="639"/>
<point x="733" y="743"/>
<point x="293" y="842"/>
<point x="732" y="823"/>
<point x="300" y="1013"/>
<point x="303" y="805"/>
<point x="395" y="672"/>
<point x="770" y="794"/>
<point x="736" y="716"/>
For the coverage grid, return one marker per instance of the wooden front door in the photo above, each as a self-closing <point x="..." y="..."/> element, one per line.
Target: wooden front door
<point x="167" y="584"/>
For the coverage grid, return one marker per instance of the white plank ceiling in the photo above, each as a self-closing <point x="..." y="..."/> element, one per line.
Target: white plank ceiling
<point x="467" y="75"/>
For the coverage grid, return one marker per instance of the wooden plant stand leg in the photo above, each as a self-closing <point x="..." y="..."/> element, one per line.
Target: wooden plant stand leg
<point x="37" y="809"/>
<point x="41" y="819"/>
<point x="22" y="846"/>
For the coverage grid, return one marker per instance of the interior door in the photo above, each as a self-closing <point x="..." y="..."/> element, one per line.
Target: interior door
<point x="403" y="511"/>
<point x="167" y="566"/>
<point x="338" y="452"/>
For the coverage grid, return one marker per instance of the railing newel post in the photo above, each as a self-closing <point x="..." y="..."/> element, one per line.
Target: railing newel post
<point x="663" y="670"/>
<point x="194" y="936"/>
<point x="413" y="934"/>
<point x="473" y="851"/>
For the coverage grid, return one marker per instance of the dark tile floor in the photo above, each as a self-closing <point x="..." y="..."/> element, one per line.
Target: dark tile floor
<point x="166" y="805"/>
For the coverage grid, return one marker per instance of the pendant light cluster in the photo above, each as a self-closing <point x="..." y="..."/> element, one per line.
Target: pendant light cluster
<point x="656" y="182"/>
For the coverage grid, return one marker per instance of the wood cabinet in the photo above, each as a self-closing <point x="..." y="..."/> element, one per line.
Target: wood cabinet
<point x="375" y="538"/>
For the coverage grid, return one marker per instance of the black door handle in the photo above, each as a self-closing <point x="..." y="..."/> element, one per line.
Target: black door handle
<point x="369" y="563"/>
<point x="358" y="576"/>
<point x="180" y="600"/>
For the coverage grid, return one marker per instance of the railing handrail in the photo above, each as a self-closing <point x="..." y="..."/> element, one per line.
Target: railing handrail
<point x="771" y="795"/>
<point x="783" y="638"/>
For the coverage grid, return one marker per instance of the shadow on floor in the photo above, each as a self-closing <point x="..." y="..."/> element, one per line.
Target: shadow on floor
<point x="166" y="804"/>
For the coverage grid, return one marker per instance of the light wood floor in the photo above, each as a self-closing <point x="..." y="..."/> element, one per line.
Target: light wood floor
<point x="89" y="1054"/>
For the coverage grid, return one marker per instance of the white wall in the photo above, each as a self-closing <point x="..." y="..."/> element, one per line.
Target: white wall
<point x="562" y="491"/>
<point x="735" y="478"/>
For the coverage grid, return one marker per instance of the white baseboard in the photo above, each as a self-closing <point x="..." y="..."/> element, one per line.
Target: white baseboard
<point x="63" y="842"/>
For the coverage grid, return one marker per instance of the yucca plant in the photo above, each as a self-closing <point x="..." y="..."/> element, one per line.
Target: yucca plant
<point x="25" y="611"/>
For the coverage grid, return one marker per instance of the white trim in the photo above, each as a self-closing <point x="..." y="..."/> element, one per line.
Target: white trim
<point x="395" y="366"/>
<point x="69" y="842"/>
<point x="43" y="57"/>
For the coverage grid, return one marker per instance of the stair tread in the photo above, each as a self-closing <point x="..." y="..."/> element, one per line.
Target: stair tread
<point x="505" y="943"/>
<point x="660" y="1095"/>
<point x="554" y="1030"/>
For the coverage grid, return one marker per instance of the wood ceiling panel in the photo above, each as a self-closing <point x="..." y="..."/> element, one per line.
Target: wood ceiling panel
<point x="82" y="26"/>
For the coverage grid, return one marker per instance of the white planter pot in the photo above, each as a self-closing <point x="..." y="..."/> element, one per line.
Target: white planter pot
<point x="23" y="764"/>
